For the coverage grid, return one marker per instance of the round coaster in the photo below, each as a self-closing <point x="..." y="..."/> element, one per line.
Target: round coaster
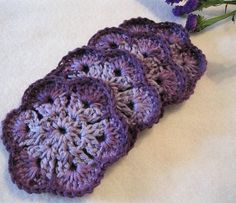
<point x="123" y="72"/>
<point x="63" y="144"/>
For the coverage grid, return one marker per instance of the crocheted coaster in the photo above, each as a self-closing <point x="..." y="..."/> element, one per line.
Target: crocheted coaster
<point x="63" y="136"/>
<point x="174" y="33"/>
<point x="138" y="104"/>
<point x="143" y="45"/>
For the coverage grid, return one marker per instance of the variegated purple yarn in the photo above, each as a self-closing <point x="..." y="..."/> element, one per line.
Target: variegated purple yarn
<point x="160" y="70"/>
<point x="85" y="114"/>
<point x="146" y="43"/>
<point x="143" y="45"/>
<point x="138" y="103"/>
<point x="111" y="38"/>
<point x="86" y="60"/>
<point x="178" y="39"/>
<point x="192" y="61"/>
<point x="174" y="33"/>
<point x="63" y="136"/>
<point x="167" y="78"/>
<point x="180" y="46"/>
<point x="139" y="24"/>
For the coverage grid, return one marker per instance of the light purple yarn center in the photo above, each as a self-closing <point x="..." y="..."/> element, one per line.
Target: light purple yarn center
<point x="65" y="131"/>
<point x="135" y="100"/>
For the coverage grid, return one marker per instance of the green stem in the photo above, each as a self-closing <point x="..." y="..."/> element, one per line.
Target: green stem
<point x="210" y="3"/>
<point x="207" y="22"/>
<point x="230" y="2"/>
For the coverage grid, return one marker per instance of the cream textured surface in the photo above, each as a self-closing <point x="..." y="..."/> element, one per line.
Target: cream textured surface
<point x="189" y="157"/>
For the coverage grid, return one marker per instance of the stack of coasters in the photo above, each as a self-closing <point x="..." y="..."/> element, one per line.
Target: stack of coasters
<point x="166" y="40"/>
<point x="87" y="112"/>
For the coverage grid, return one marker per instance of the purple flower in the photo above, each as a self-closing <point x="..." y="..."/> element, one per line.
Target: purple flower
<point x="196" y="23"/>
<point x="190" y="6"/>
<point x="191" y="23"/>
<point x="173" y="1"/>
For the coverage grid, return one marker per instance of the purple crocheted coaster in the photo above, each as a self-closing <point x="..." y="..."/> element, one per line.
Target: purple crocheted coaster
<point x="143" y="45"/>
<point x="174" y="33"/>
<point x="63" y="136"/>
<point x="138" y="104"/>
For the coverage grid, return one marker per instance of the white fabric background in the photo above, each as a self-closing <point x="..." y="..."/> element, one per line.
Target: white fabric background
<point x="189" y="157"/>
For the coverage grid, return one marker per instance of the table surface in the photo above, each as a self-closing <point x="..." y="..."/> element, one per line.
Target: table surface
<point x="190" y="156"/>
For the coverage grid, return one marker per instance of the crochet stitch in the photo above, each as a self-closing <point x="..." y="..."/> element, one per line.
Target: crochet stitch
<point x="193" y="62"/>
<point x="187" y="58"/>
<point x="63" y="144"/>
<point x="111" y="38"/>
<point x="143" y="45"/>
<point x="139" y="24"/>
<point x="87" y="60"/>
<point x="160" y="70"/>
<point x="124" y="74"/>
<point x="167" y="78"/>
<point x="174" y="33"/>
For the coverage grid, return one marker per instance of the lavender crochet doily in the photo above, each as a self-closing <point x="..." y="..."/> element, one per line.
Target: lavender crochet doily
<point x="63" y="136"/>
<point x="137" y="102"/>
